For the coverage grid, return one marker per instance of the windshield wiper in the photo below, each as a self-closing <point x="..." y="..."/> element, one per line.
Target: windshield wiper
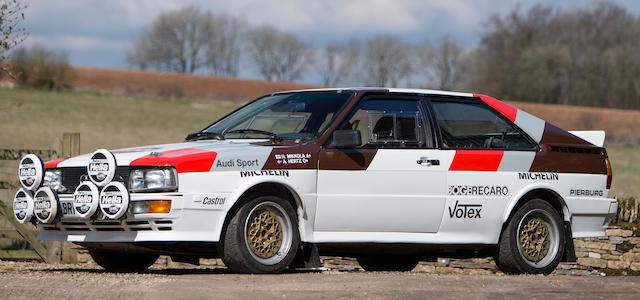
<point x="202" y="135"/>
<point x="271" y="135"/>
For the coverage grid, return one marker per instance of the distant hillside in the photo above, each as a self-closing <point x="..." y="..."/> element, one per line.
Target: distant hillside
<point x="620" y="125"/>
<point x="174" y="85"/>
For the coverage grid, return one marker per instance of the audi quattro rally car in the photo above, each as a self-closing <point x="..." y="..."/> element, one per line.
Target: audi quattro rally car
<point x="389" y="176"/>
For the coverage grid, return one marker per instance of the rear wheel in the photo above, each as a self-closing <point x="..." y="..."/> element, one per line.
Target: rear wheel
<point x="262" y="237"/>
<point x="533" y="241"/>
<point x="388" y="263"/>
<point x="123" y="262"/>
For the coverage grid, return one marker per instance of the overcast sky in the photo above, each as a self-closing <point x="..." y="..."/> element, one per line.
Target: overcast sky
<point x="96" y="32"/>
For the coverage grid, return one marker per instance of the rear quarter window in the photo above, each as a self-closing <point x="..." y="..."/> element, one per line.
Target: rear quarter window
<point x="465" y="125"/>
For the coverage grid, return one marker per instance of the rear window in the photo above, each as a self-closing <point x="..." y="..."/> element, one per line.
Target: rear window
<point x="465" y="125"/>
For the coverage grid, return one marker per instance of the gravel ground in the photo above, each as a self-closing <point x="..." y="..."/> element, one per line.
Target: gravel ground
<point x="28" y="280"/>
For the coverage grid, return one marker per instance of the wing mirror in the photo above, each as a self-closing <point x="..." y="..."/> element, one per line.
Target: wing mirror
<point x="347" y="138"/>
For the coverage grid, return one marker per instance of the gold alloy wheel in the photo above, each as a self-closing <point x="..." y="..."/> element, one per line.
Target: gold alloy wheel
<point x="264" y="234"/>
<point x="534" y="239"/>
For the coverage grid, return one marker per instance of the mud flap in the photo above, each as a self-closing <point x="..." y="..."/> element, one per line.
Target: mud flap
<point x="569" y="250"/>
<point x="189" y="259"/>
<point x="307" y="257"/>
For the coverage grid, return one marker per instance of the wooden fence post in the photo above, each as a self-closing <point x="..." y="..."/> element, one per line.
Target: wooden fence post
<point x="62" y="251"/>
<point x="70" y="145"/>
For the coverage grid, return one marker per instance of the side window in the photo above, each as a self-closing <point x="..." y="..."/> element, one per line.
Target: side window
<point x="475" y="126"/>
<point x="390" y="124"/>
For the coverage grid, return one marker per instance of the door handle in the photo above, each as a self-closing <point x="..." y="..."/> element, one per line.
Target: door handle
<point x="425" y="161"/>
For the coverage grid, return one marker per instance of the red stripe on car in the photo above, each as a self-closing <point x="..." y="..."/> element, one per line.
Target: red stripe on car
<point x="476" y="160"/>
<point x="505" y="109"/>
<point x="185" y="160"/>
<point x="53" y="163"/>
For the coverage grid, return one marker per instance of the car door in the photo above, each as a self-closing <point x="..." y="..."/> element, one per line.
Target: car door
<point x="395" y="181"/>
<point x="489" y="153"/>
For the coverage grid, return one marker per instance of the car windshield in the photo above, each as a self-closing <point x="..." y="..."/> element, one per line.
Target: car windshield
<point x="303" y="116"/>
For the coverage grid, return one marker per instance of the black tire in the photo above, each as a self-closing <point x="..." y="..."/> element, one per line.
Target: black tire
<point x="235" y="249"/>
<point x="541" y="249"/>
<point x="121" y="262"/>
<point x="388" y="263"/>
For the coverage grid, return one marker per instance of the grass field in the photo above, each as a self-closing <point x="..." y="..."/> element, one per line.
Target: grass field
<point x="625" y="162"/>
<point x="36" y="119"/>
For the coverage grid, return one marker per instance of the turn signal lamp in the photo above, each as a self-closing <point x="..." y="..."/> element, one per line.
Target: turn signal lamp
<point x="151" y="207"/>
<point x="159" y="206"/>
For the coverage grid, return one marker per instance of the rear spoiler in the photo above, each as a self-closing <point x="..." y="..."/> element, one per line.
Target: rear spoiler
<point x="595" y="137"/>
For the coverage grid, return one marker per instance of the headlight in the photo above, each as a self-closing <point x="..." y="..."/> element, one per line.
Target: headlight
<point x="153" y="180"/>
<point x="53" y="179"/>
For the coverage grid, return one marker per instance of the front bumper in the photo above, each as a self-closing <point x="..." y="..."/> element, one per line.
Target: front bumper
<point x="182" y="223"/>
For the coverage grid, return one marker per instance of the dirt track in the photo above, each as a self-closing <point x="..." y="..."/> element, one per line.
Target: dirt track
<point x="40" y="281"/>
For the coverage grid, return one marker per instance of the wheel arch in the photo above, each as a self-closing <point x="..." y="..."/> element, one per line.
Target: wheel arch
<point x="538" y="191"/>
<point x="265" y="188"/>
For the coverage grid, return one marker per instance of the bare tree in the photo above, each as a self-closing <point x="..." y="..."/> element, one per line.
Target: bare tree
<point x="587" y="56"/>
<point x="338" y="62"/>
<point x="387" y="60"/>
<point x="278" y="55"/>
<point x="11" y="31"/>
<point x="42" y="68"/>
<point x="442" y="63"/>
<point x="224" y="45"/>
<point x="176" y="41"/>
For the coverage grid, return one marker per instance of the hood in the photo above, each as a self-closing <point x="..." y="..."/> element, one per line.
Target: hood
<point x="196" y="156"/>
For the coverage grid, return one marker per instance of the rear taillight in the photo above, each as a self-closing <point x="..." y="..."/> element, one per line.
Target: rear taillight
<point x="609" y="174"/>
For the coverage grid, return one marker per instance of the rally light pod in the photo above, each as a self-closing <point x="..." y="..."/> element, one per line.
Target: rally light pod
<point x="102" y="167"/>
<point x="45" y="205"/>
<point x="114" y="200"/>
<point x="31" y="172"/>
<point x="85" y="199"/>
<point x="23" y="205"/>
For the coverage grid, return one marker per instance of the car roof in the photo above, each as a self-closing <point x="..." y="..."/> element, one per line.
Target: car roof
<point x="390" y="90"/>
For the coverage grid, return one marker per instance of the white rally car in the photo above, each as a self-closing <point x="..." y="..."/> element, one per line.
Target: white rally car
<point x="389" y="176"/>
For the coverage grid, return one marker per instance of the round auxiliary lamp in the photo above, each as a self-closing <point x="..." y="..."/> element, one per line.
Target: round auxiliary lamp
<point x="31" y="172"/>
<point x="102" y="167"/>
<point x="23" y="205"/>
<point x="85" y="199"/>
<point x="114" y="200"/>
<point x="45" y="206"/>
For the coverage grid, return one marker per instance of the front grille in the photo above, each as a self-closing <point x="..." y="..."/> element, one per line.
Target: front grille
<point x="110" y="225"/>
<point x="71" y="177"/>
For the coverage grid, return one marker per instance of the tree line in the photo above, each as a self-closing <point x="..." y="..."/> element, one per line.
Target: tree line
<point x="190" y="41"/>
<point x="587" y="56"/>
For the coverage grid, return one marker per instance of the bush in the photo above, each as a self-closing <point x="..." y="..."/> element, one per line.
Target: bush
<point x="41" y="68"/>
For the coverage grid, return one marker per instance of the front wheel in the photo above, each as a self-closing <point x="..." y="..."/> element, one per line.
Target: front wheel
<point x="123" y="262"/>
<point x="533" y="241"/>
<point x="388" y="263"/>
<point x="262" y="237"/>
